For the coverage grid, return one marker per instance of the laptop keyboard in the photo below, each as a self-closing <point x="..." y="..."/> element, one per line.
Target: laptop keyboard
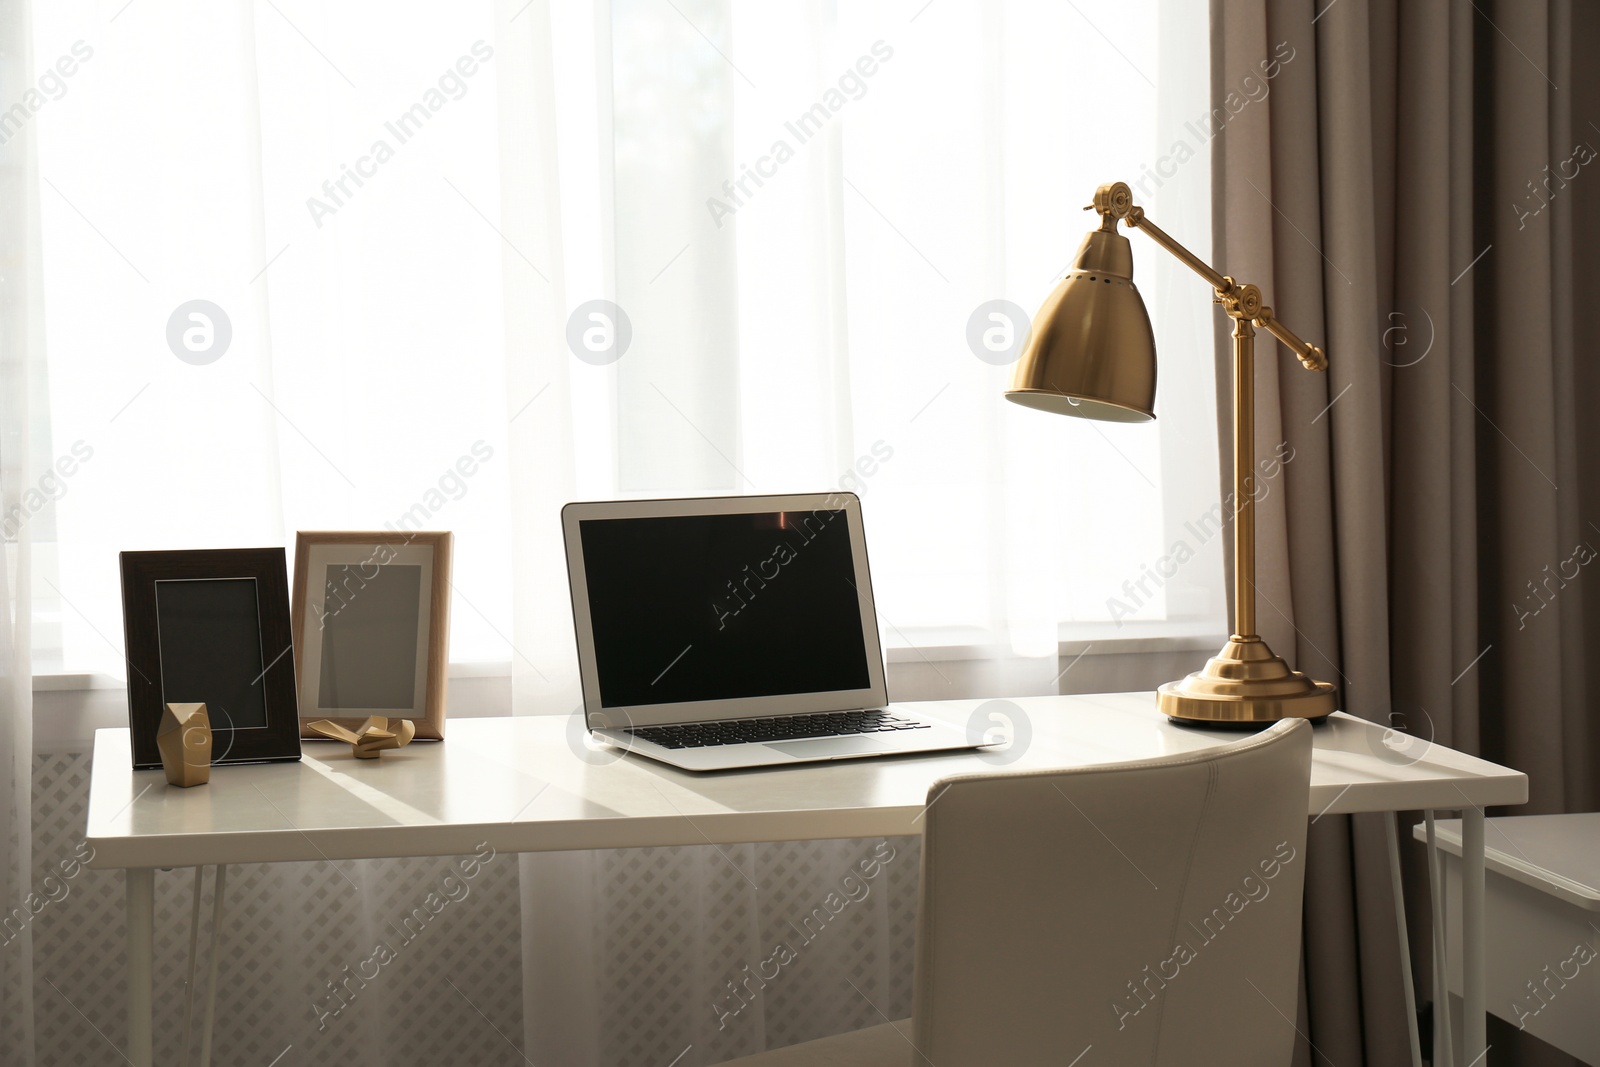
<point x="786" y="728"/>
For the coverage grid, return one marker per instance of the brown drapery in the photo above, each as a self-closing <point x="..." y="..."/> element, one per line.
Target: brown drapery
<point x="1421" y="193"/>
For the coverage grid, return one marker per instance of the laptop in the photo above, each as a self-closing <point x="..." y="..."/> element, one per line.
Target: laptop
<point x="717" y="633"/>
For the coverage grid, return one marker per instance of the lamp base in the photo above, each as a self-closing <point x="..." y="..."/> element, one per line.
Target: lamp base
<point x="1246" y="685"/>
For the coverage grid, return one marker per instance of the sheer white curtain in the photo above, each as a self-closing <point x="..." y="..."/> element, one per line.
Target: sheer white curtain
<point x="807" y="213"/>
<point x="800" y="210"/>
<point x="22" y="382"/>
<point x="416" y="237"/>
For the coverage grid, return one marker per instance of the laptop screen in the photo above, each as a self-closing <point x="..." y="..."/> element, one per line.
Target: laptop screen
<point x="719" y="607"/>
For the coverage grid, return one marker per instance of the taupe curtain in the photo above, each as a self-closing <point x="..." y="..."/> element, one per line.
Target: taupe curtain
<point x="1419" y="189"/>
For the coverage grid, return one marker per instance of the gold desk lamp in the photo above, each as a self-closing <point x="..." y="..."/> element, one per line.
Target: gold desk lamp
<point x="1092" y="355"/>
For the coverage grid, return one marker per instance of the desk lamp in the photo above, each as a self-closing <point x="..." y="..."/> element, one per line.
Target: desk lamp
<point x="1092" y="355"/>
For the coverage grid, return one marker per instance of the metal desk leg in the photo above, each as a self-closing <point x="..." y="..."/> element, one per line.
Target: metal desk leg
<point x="139" y="885"/>
<point x="1472" y="937"/>
<point x="194" y="943"/>
<point x="217" y="888"/>
<point x="1405" y="942"/>
<point x="1442" y="1030"/>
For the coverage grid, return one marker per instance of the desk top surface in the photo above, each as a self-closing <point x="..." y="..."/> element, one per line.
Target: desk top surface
<point x="1556" y="854"/>
<point x="534" y="783"/>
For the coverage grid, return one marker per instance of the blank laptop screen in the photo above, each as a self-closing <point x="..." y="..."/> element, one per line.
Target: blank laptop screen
<point x="718" y="607"/>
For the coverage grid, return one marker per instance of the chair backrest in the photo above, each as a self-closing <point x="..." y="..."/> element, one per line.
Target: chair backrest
<point x="1148" y="912"/>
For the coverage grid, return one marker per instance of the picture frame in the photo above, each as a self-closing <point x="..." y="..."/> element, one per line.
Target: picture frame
<point x="371" y="627"/>
<point x="211" y="626"/>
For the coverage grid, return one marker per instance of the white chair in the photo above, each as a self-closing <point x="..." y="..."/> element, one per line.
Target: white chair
<point x="1143" y="913"/>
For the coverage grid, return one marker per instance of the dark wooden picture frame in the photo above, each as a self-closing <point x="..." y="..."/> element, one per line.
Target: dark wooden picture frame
<point x="395" y="636"/>
<point x="211" y="626"/>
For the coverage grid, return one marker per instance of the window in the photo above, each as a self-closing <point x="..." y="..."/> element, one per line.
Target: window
<point x="340" y="267"/>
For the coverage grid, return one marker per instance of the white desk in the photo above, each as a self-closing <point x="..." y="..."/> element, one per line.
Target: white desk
<point x="1542" y="903"/>
<point x="518" y="784"/>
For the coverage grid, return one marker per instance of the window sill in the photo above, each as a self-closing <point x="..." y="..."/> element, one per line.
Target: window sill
<point x="74" y="681"/>
<point x="952" y="644"/>
<point x="69" y="706"/>
<point x="1075" y="639"/>
<point x="66" y="681"/>
<point x="925" y="665"/>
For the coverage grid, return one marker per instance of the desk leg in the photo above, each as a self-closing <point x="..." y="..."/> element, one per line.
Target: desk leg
<point x="217" y="888"/>
<point x="139" y="886"/>
<point x="1405" y="942"/>
<point x="1443" y="1031"/>
<point x="1473" y="1022"/>
<point x="194" y="945"/>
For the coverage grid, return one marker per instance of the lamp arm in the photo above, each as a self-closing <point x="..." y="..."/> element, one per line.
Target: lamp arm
<point x="1214" y="278"/>
<point x="1310" y="356"/>
<point x="1241" y="301"/>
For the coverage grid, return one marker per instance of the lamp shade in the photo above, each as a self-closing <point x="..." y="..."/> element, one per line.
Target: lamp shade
<point x="1091" y="353"/>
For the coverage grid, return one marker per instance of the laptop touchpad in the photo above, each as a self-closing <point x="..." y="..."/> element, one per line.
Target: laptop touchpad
<point x="828" y="746"/>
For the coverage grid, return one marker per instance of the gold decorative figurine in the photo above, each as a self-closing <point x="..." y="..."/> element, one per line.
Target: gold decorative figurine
<point x="371" y="738"/>
<point x="184" y="738"/>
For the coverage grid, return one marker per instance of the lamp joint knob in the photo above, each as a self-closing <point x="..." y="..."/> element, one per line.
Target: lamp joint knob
<point x="1114" y="199"/>
<point x="1242" y="301"/>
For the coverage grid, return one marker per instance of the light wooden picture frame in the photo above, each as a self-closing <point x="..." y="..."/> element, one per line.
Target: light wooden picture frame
<point x="371" y="622"/>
